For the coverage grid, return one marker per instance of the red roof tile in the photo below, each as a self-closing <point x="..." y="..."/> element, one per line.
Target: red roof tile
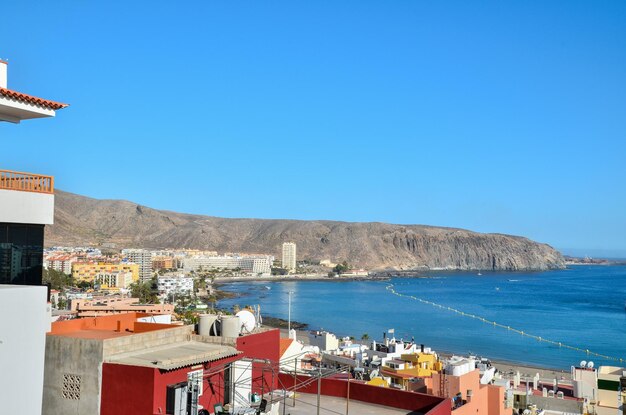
<point x="31" y="99"/>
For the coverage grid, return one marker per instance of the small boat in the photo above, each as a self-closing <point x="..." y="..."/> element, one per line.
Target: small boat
<point x="267" y="287"/>
<point x="479" y="274"/>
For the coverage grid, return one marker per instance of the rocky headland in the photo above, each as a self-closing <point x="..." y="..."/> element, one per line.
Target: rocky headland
<point x="80" y="221"/>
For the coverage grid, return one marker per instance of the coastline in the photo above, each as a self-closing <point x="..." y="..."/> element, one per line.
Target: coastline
<point x="506" y="367"/>
<point x="554" y="362"/>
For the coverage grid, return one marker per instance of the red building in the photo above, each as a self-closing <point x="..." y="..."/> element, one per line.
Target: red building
<point x="116" y="365"/>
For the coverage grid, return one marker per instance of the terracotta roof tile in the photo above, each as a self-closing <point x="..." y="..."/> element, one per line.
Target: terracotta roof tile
<point x="31" y="99"/>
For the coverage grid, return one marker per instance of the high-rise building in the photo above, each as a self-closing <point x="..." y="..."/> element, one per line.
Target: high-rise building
<point x="142" y="258"/>
<point x="289" y="256"/>
<point x="26" y="206"/>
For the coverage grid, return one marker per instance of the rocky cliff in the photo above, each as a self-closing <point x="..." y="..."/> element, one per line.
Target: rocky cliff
<point x="84" y="221"/>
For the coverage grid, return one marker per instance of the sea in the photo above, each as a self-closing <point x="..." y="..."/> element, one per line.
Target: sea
<point x="552" y="319"/>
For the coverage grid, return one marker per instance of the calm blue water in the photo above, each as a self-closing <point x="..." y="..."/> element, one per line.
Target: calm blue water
<point x="582" y="306"/>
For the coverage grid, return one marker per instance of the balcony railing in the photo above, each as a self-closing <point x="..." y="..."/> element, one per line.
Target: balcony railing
<point x="26" y="182"/>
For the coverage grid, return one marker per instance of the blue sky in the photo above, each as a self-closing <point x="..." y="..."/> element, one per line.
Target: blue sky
<point x="502" y="117"/>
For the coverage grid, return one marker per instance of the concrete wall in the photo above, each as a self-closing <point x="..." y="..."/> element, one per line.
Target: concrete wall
<point x="24" y="323"/>
<point x="26" y="207"/>
<point x="140" y="341"/>
<point x="74" y="357"/>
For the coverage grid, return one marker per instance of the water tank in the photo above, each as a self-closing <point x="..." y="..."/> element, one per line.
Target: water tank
<point x="206" y="324"/>
<point x="231" y="326"/>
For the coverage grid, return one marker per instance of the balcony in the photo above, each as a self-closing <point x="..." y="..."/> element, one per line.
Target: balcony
<point x="26" y="198"/>
<point x="26" y="182"/>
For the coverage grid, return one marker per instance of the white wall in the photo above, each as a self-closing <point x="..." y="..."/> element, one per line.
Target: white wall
<point x="23" y="324"/>
<point x="26" y="207"/>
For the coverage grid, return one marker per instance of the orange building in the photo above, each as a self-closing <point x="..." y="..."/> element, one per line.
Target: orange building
<point x="469" y="396"/>
<point x="162" y="262"/>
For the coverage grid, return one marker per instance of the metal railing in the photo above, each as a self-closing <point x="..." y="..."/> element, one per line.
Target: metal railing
<point x="26" y="182"/>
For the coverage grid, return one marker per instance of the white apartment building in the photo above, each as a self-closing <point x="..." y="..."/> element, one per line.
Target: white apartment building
<point x="253" y="264"/>
<point x="143" y="258"/>
<point x="289" y="256"/>
<point x="113" y="280"/>
<point x="61" y="263"/>
<point x="174" y="284"/>
<point x="26" y="206"/>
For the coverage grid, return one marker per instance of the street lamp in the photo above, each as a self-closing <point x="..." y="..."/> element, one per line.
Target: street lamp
<point x="289" y="316"/>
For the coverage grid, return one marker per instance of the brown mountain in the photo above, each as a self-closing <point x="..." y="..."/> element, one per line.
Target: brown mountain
<point x="81" y="220"/>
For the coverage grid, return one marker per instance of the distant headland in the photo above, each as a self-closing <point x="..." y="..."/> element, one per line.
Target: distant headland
<point x="80" y="220"/>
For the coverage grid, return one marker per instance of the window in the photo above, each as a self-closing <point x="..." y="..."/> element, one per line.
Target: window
<point x="21" y="253"/>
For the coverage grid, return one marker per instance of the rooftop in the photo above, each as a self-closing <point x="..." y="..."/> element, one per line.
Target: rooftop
<point x="176" y="355"/>
<point x="17" y="106"/>
<point x="306" y="404"/>
<point x="106" y="327"/>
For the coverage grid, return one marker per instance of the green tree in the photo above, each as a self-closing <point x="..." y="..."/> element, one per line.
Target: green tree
<point x="341" y="268"/>
<point x="147" y="292"/>
<point x="84" y="285"/>
<point x="365" y="336"/>
<point x="57" y="279"/>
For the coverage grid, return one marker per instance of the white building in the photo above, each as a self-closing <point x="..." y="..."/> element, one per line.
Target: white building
<point x="61" y="263"/>
<point x="253" y="264"/>
<point x="113" y="280"/>
<point x="289" y="256"/>
<point x="178" y="284"/>
<point x="26" y="206"/>
<point x="142" y="258"/>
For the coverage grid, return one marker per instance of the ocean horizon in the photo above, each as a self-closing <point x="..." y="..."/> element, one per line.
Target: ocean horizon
<point x="551" y="319"/>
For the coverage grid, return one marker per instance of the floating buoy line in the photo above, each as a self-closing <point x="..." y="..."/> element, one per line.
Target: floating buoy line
<point x="392" y="290"/>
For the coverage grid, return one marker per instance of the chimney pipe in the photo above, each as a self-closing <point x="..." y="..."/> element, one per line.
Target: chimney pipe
<point x="3" y="73"/>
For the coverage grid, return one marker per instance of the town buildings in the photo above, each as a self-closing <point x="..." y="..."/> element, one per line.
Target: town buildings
<point x="163" y="262"/>
<point x="90" y="271"/>
<point x="603" y="389"/>
<point x="26" y="206"/>
<point x="461" y="381"/>
<point x="60" y="262"/>
<point x="126" y="364"/>
<point x="98" y="306"/>
<point x="174" y="285"/>
<point x="257" y="265"/>
<point x="143" y="259"/>
<point x="289" y="256"/>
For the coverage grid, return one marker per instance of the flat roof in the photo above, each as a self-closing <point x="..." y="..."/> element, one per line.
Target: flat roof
<point x="174" y="356"/>
<point x="94" y="334"/>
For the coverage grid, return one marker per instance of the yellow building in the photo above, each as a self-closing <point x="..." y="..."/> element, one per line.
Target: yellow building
<point x="403" y="371"/>
<point x="87" y="271"/>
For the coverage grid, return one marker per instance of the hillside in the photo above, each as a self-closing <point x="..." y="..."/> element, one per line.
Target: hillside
<point x="81" y="220"/>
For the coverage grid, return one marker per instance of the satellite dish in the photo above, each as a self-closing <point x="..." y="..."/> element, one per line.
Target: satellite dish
<point x="248" y="321"/>
<point x="583" y="364"/>
<point x="590" y="365"/>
